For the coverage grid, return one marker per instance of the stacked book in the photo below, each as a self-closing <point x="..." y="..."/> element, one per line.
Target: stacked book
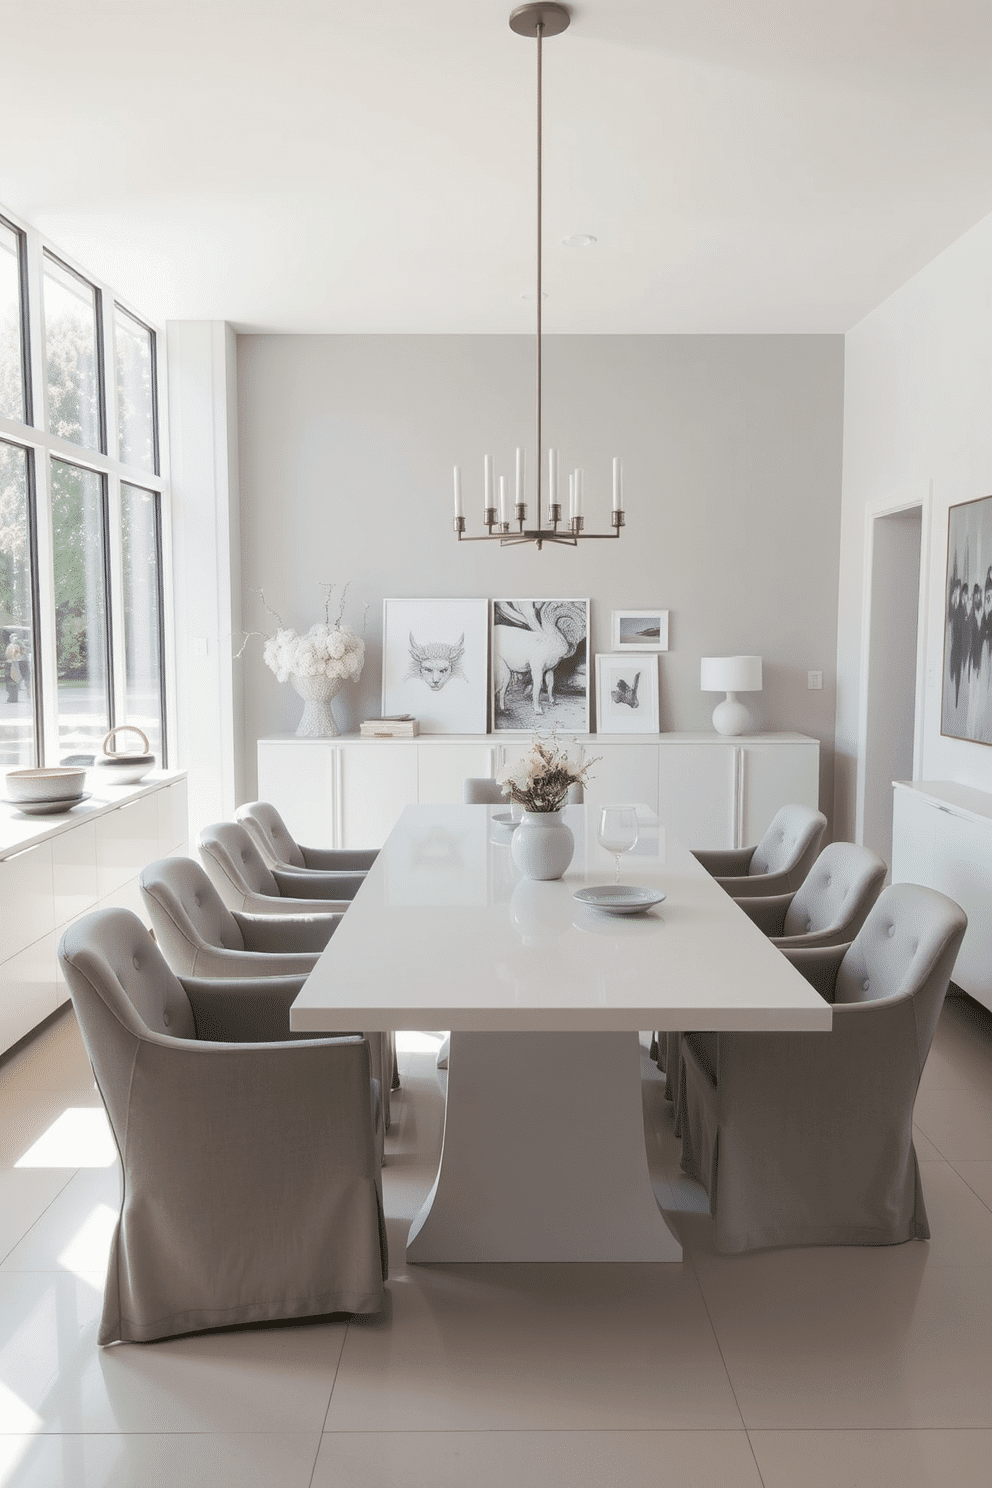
<point x="399" y="726"/>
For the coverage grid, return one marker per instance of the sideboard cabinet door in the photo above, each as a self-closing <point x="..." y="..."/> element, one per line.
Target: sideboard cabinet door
<point x="377" y="781"/>
<point x="776" y="775"/>
<point x="299" y="780"/>
<point x="696" y="793"/>
<point x="622" y="773"/>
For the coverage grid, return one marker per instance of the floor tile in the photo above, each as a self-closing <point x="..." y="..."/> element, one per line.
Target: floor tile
<point x="874" y="1459"/>
<point x="25" y="1194"/>
<point x="261" y="1379"/>
<point x="74" y="1232"/>
<point x="535" y="1459"/>
<point x="978" y="1176"/>
<point x="853" y="1337"/>
<point x="925" y="1149"/>
<point x="519" y="1347"/>
<point x="176" y="1460"/>
<point x="958" y="1122"/>
<point x="27" y="1118"/>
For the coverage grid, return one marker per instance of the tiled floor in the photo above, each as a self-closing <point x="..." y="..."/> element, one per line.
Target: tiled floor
<point x="793" y="1369"/>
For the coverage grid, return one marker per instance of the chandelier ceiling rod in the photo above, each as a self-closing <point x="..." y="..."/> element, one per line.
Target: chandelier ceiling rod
<point x="539" y="19"/>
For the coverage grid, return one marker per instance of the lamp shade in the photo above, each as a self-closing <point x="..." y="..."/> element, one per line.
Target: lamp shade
<point x="730" y="674"/>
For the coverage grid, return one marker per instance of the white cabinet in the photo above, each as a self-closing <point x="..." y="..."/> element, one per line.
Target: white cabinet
<point x="53" y="869"/>
<point x="942" y="837"/>
<point x="710" y="791"/>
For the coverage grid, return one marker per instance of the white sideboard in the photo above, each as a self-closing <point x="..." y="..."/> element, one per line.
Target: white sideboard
<point x="55" y="868"/>
<point x="942" y="837"/>
<point x="709" y="790"/>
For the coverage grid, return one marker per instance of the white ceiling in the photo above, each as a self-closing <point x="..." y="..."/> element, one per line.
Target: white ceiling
<point x="311" y="165"/>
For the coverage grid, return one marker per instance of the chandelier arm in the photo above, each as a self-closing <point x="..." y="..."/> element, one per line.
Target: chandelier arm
<point x="540" y="249"/>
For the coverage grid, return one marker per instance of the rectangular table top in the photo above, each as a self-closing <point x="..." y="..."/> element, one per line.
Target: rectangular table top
<point x="445" y="934"/>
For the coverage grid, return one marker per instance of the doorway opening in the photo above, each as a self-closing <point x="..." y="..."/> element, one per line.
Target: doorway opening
<point x="893" y="650"/>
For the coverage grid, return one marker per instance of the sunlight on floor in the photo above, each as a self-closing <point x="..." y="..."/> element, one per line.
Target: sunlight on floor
<point x="79" y="1138"/>
<point x="86" y="1253"/>
<point x="419" y="1043"/>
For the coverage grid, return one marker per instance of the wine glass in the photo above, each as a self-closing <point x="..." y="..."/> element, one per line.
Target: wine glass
<point x="617" y="831"/>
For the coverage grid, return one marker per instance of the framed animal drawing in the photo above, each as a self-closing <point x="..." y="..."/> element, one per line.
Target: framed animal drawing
<point x="434" y="663"/>
<point x="540" y="672"/>
<point x="966" y="709"/>
<point x="627" y="694"/>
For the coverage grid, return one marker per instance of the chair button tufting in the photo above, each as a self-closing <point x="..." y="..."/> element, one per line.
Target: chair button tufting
<point x="136" y="962"/>
<point x="891" y="931"/>
<point x="197" y="898"/>
<point x="829" y="880"/>
<point x="809" y="924"/>
<point x="866" y="984"/>
<point x="166" y="1019"/>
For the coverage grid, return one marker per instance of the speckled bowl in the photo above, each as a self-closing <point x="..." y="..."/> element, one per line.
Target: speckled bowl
<point x="124" y="769"/>
<point x="59" y="783"/>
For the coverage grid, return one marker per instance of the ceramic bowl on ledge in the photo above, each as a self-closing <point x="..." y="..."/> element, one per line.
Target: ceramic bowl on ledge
<point x="58" y="783"/>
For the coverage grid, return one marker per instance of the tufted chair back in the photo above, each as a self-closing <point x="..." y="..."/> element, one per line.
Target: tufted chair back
<point x="122" y="990"/>
<point x="790" y="844"/>
<point x="266" y="826"/>
<point x="187" y="912"/>
<point x="235" y="863"/>
<point x="837" y="892"/>
<point x="906" y="948"/>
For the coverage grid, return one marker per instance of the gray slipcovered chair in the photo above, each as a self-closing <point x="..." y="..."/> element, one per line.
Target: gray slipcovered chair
<point x="280" y="849"/>
<point x="828" y="909"/>
<point x="779" y="862"/>
<point x="830" y="905"/>
<point x="251" y="1184"/>
<point x="244" y="882"/>
<point x="199" y="936"/>
<point x="807" y="1138"/>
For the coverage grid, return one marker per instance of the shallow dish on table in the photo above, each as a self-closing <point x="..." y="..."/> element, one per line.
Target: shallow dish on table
<point x="48" y="808"/>
<point x="623" y="899"/>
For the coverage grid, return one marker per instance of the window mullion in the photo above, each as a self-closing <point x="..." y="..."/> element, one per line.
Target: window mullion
<point x="36" y="329"/>
<point x="115" y="578"/>
<point x="48" y="648"/>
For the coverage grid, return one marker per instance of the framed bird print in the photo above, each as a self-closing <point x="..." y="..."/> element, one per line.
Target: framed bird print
<point x="627" y="694"/>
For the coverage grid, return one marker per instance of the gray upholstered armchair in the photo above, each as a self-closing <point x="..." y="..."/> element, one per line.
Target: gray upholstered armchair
<point x="251" y="1179"/>
<point x="280" y="849"/>
<point x="830" y="905"/>
<point x="807" y="1138"/>
<point x="244" y="882"/>
<point x="482" y="790"/>
<point x="779" y="862"/>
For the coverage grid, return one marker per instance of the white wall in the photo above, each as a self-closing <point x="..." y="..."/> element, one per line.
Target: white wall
<point x="917" y="428"/>
<point x="732" y="454"/>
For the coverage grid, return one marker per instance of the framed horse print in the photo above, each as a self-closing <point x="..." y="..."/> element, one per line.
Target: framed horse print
<point x="540" y="671"/>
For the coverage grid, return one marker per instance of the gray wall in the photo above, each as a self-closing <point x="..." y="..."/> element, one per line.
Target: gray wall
<point x="732" y="459"/>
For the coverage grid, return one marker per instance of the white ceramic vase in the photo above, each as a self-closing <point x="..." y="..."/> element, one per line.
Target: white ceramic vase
<point x="542" y="845"/>
<point x="317" y="721"/>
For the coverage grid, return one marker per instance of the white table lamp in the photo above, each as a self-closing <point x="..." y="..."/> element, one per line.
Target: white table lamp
<point x="731" y="674"/>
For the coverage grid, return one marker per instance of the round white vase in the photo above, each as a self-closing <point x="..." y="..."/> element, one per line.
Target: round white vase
<point x="317" y="721"/>
<point x="542" y="845"/>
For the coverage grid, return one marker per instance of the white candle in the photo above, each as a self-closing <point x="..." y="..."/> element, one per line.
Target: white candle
<point x="571" y="496"/>
<point x="459" y="510"/>
<point x="552" y="476"/>
<point x="520" y="477"/>
<point x="617" y="484"/>
<point x="578" y="493"/>
<point x="504" y="500"/>
<point x="488" y="466"/>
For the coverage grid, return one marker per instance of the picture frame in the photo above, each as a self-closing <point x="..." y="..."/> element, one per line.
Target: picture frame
<point x="627" y="697"/>
<point x="540" y="665"/>
<point x="966" y="698"/>
<point x="640" y="630"/>
<point x="435" y="663"/>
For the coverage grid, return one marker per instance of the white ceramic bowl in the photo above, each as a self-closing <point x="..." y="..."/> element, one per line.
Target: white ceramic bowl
<point x="55" y="784"/>
<point x="124" y="769"/>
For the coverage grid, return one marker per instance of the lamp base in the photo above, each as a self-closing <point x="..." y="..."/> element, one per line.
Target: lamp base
<point x="732" y="716"/>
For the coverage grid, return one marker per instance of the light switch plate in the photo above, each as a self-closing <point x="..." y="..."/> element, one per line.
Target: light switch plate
<point x="814" y="681"/>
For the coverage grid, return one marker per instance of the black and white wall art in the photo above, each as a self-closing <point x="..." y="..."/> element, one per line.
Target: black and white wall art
<point x="627" y="694"/>
<point x="540" y="673"/>
<point x="640" y="630"/>
<point x="434" y="663"/>
<point x="967" y="699"/>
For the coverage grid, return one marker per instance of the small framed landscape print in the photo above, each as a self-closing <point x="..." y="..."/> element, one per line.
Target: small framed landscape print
<point x="966" y="711"/>
<point x="640" y="630"/>
<point x="540" y="676"/>
<point x="627" y="694"/>
<point x="434" y="663"/>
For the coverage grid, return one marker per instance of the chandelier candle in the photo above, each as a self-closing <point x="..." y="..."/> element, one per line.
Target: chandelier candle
<point x="537" y="20"/>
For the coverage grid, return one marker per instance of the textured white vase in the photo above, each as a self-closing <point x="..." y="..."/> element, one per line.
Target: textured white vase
<point x="542" y="845"/>
<point x="317" y="721"/>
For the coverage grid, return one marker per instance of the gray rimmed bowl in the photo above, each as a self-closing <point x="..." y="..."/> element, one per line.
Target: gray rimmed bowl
<point x="58" y="783"/>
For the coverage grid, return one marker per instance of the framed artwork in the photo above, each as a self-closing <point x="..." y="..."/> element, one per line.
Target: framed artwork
<point x="627" y="694"/>
<point x="540" y="672"/>
<point x="640" y="630"/>
<point x="434" y="663"/>
<point x="966" y="709"/>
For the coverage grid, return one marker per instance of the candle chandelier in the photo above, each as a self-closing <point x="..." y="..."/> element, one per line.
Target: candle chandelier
<point x="545" y="18"/>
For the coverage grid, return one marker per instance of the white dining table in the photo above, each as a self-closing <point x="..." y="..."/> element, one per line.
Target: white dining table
<point x="543" y="1155"/>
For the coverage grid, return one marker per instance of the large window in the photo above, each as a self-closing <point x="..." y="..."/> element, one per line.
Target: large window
<point x="81" y="512"/>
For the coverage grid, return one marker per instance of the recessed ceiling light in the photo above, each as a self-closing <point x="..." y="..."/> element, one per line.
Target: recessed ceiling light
<point x="578" y="240"/>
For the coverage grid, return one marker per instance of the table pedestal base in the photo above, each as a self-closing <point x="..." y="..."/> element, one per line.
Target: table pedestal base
<point x="543" y="1156"/>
